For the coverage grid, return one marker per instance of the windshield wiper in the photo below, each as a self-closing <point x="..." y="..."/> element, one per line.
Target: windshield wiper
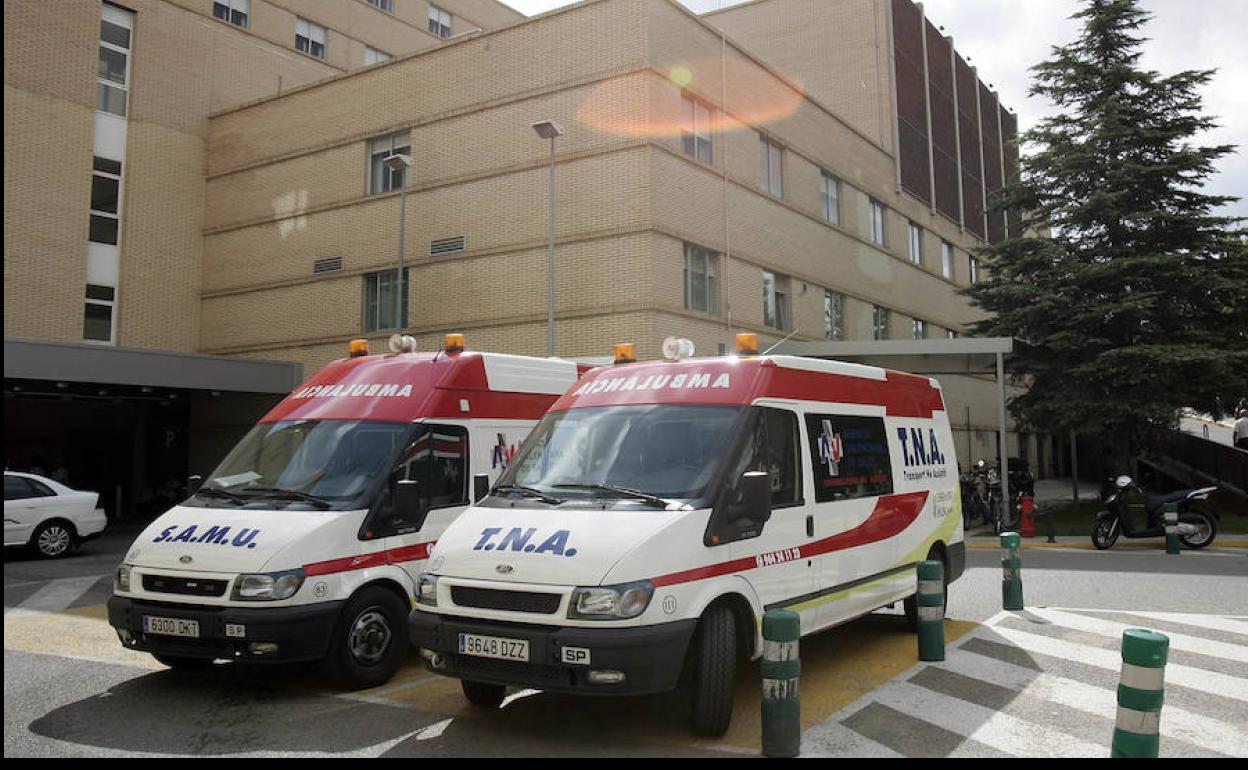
<point x="274" y="493"/>
<point x="220" y="494"/>
<point x="653" y="500"/>
<point x="530" y="492"/>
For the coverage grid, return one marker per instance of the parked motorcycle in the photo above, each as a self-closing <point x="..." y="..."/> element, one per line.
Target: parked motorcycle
<point x="1198" y="522"/>
<point x="977" y="498"/>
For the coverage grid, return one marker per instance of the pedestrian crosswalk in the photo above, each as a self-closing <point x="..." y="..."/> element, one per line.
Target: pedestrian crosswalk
<point x="1043" y="683"/>
<point x="56" y="595"/>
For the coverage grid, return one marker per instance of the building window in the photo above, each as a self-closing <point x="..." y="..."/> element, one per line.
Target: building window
<point x="695" y="130"/>
<point x="310" y="38"/>
<point x="113" y="74"/>
<point x="946" y="259"/>
<point x="974" y="263"/>
<point x="701" y="293"/>
<point x="833" y="315"/>
<point x="916" y="244"/>
<point x="830" y="197"/>
<point x="105" y="201"/>
<point x="379" y="301"/>
<point x="920" y="329"/>
<point x="385" y="5"/>
<point x="373" y="56"/>
<point x="439" y="21"/>
<point x="97" y="321"/>
<point x="882" y="317"/>
<point x="380" y="178"/>
<point x="951" y="334"/>
<point x="772" y="178"/>
<point x="877" y="223"/>
<point x="776" y="294"/>
<point x="233" y="11"/>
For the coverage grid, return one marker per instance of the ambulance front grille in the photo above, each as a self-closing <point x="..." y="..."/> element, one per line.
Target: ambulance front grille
<point x="507" y="601"/>
<point x="185" y="586"/>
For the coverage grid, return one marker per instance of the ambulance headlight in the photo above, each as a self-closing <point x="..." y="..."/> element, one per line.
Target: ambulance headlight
<point x="611" y="602"/>
<point x="123" y="578"/>
<point x="427" y="589"/>
<point x="270" y="587"/>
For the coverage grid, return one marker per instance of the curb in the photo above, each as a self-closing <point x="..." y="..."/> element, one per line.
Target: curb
<point x="1145" y="544"/>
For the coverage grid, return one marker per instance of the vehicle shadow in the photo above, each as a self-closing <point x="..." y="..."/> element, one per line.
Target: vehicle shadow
<point x="231" y="709"/>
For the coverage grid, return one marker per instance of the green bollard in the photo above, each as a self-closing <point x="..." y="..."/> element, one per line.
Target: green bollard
<point x="930" y="601"/>
<point x="1172" y="528"/>
<point x="1011" y="564"/>
<point x="782" y="707"/>
<point x="1140" y="694"/>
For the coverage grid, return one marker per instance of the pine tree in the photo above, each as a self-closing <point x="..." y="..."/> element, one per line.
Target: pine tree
<point x="1136" y="304"/>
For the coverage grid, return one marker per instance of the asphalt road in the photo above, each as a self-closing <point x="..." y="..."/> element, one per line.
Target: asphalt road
<point x="71" y="690"/>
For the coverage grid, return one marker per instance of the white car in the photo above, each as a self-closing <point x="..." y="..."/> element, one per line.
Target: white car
<point x="47" y="515"/>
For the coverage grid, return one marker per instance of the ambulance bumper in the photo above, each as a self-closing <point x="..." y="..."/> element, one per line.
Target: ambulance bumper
<point x="650" y="658"/>
<point x="270" y="634"/>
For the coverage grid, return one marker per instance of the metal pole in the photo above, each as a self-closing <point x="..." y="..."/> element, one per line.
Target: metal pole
<point x="398" y="285"/>
<point x="1004" y="467"/>
<point x="1074" y="467"/>
<point x="550" y="261"/>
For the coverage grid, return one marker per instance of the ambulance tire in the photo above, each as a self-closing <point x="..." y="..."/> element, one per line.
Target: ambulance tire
<point x="370" y="640"/>
<point x="911" y="603"/>
<point x="483" y="694"/>
<point x="714" y="672"/>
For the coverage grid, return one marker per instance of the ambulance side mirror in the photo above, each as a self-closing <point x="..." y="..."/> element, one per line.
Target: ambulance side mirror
<point x="193" y="483"/>
<point x="407" y="502"/>
<point x="480" y="487"/>
<point x="755" y="503"/>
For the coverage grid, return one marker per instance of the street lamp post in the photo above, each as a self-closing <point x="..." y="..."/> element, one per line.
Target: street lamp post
<point x="400" y="163"/>
<point x="549" y="129"/>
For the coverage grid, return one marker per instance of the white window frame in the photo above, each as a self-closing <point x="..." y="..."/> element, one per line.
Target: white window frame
<point x="777" y="301"/>
<point x="706" y="273"/>
<point x="772" y="168"/>
<point x="112" y="316"/>
<point x="919" y="328"/>
<point x="974" y="265"/>
<point x="830" y="197"/>
<point x="383" y="5"/>
<point x="879" y="219"/>
<point x="946" y="259"/>
<point x="398" y="143"/>
<point x="881" y="320"/>
<point x="314" y="34"/>
<point x="375" y="56"/>
<point x="232" y="7"/>
<point x="375" y="278"/>
<point x="916" y="243"/>
<point x="124" y="19"/>
<point x="696" y="132"/>
<point x="439" y="21"/>
<point x="833" y="315"/>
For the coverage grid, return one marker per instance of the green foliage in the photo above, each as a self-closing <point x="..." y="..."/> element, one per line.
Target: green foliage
<point x="1137" y="303"/>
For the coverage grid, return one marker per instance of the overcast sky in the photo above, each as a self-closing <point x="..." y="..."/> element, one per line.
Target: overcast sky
<point x="1004" y="38"/>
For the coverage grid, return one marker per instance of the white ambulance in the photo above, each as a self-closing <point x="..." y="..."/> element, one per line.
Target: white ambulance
<point x="306" y="542"/>
<point x="669" y="505"/>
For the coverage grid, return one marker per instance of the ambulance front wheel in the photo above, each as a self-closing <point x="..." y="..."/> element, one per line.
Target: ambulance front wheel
<point x="370" y="640"/>
<point x="714" y="672"/>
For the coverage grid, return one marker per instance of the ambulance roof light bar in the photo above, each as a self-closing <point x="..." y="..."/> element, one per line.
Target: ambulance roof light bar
<point x="625" y="353"/>
<point x="453" y="343"/>
<point x="357" y="348"/>
<point x="747" y="344"/>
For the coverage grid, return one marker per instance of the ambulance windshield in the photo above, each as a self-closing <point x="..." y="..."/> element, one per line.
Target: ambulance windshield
<point x="322" y="463"/>
<point x="665" y="451"/>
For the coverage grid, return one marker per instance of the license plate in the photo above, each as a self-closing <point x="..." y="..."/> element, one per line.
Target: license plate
<point x="235" y="631"/>
<point x="494" y="647"/>
<point x="170" y="626"/>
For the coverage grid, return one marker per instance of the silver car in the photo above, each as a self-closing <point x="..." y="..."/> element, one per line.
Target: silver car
<point x="48" y="516"/>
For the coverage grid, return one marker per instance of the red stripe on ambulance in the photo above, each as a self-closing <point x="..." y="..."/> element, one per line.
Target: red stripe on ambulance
<point x="408" y="553"/>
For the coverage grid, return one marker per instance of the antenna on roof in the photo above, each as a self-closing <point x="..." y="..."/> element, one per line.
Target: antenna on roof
<point x="781" y="342"/>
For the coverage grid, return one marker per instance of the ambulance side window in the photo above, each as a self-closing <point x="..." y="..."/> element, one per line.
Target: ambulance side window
<point x="776" y="449"/>
<point x="849" y="456"/>
<point x="437" y="460"/>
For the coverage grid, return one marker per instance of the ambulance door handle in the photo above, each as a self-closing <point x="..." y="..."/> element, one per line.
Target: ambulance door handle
<point x="810" y="526"/>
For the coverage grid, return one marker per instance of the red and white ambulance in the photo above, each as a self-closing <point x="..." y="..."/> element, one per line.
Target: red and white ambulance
<point x="306" y="542"/>
<point x="666" y="506"/>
